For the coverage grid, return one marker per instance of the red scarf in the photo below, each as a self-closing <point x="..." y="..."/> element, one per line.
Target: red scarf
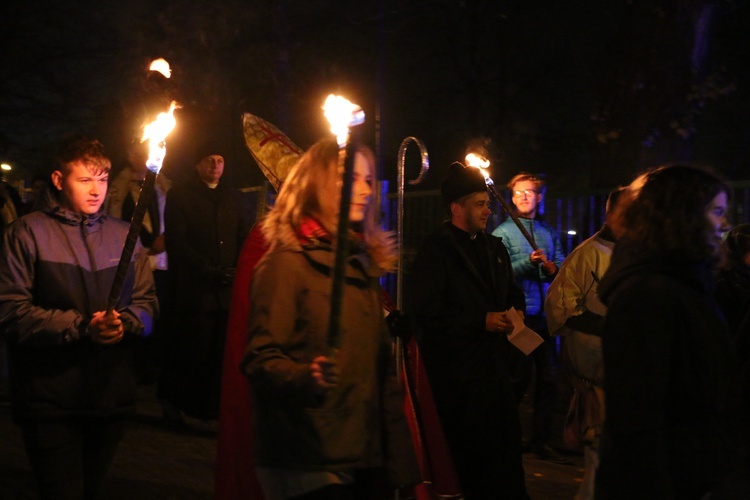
<point x="311" y="231"/>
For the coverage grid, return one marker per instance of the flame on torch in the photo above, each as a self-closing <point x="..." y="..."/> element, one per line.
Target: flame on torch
<point x="482" y="163"/>
<point x="162" y="66"/>
<point x="156" y="133"/>
<point x="342" y="114"/>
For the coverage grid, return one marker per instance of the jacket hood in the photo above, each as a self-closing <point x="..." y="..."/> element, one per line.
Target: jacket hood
<point x="629" y="259"/>
<point x="50" y="204"/>
<point x="322" y="256"/>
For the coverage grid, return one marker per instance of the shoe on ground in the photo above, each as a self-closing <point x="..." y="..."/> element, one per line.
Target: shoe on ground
<point x="548" y="454"/>
<point x="171" y="415"/>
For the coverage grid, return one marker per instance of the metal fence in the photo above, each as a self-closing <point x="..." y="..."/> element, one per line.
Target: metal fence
<point x="575" y="217"/>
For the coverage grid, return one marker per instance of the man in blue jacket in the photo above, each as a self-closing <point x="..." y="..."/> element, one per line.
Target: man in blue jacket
<point x="71" y="376"/>
<point x="534" y="270"/>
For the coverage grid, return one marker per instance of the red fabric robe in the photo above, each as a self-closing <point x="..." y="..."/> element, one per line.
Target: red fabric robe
<point x="235" y="466"/>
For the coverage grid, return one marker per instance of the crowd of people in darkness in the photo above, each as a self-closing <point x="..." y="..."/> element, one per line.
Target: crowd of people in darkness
<point x="647" y="323"/>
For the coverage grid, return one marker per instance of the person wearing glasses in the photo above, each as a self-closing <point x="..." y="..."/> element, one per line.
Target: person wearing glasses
<point x="534" y="270"/>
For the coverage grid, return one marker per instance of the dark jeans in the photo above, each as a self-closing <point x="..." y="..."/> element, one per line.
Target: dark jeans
<point x="369" y="484"/>
<point x="190" y="378"/>
<point x="543" y="362"/>
<point x="70" y="458"/>
<point x="483" y="432"/>
<point x="147" y="351"/>
<point x="330" y="492"/>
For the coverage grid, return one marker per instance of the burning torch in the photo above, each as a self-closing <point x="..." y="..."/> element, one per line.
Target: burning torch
<point x="474" y="160"/>
<point x="341" y="114"/>
<point x="156" y="133"/>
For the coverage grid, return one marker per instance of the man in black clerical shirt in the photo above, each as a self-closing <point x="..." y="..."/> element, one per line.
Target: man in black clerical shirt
<point x="463" y="287"/>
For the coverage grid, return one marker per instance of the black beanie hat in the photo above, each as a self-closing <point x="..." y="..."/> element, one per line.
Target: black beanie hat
<point x="207" y="149"/>
<point x="461" y="181"/>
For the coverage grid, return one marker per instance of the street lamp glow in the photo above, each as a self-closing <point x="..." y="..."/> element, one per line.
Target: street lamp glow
<point x="6" y="167"/>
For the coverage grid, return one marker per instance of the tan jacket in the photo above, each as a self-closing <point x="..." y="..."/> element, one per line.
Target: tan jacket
<point x="289" y="315"/>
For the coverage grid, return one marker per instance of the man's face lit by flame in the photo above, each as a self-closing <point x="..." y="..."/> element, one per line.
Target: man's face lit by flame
<point x="471" y="215"/>
<point x="82" y="188"/>
<point x="526" y="198"/>
<point x="210" y="169"/>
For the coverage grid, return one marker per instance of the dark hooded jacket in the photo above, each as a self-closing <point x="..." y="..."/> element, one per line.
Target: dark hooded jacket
<point x="670" y="372"/>
<point x="733" y="295"/>
<point x="56" y="270"/>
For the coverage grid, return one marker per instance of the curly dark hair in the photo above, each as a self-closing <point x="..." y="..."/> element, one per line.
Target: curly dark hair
<point x="81" y="148"/>
<point x="667" y="216"/>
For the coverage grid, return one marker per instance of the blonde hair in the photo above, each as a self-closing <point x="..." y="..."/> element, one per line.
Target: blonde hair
<point x="526" y="176"/>
<point x="86" y="150"/>
<point x="306" y="192"/>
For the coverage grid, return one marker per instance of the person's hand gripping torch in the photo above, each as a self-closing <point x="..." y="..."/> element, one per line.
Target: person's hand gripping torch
<point x="341" y="115"/>
<point x="156" y="133"/>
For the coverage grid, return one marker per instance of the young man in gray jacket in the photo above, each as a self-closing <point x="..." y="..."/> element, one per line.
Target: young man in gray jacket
<point x="71" y="379"/>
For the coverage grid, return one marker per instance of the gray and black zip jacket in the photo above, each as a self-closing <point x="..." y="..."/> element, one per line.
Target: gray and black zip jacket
<point x="56" y="270"/>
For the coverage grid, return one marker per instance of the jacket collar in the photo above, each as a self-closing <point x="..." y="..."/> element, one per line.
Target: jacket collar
<point x="454" y="234"/>
<point x="50" y="204"/>
<point x="316" y="243"/>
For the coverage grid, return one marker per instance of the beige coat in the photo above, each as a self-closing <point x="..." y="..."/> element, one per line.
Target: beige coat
<point x="289" y="315"/>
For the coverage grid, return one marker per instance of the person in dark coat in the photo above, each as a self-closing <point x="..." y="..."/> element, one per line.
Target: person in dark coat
<point x="72" y="381"/>
<point x="205" y="228"/>
<point x="733" y="287"/>
<point x="733" y="295"/>
<point x="463" y="287"/>
<point x="669" y="361"/>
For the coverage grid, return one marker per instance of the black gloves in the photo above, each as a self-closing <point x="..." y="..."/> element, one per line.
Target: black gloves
<point x="398" y="324"/>
<point x="228" y="274"/>
<point x="222" y="275"/>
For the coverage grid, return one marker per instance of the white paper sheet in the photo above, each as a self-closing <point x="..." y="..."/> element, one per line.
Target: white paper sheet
<point x="523" y="337"/>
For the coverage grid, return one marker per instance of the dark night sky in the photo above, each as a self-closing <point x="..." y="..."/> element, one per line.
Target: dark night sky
<point x="588" y="92"/>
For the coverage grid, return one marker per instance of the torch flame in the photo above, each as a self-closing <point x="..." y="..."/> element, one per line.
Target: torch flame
<point x="342" y="114"/>
<point x="474" y="160"/>
<point x="162" y="66"/>
<point x="480" y="162"/>
<point x="156" y="133"/>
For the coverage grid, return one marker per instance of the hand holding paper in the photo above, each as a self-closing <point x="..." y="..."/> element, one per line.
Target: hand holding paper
<point x="523" y="337"/>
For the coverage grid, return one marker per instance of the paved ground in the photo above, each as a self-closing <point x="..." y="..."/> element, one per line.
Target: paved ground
<point x="155" y="462"/>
